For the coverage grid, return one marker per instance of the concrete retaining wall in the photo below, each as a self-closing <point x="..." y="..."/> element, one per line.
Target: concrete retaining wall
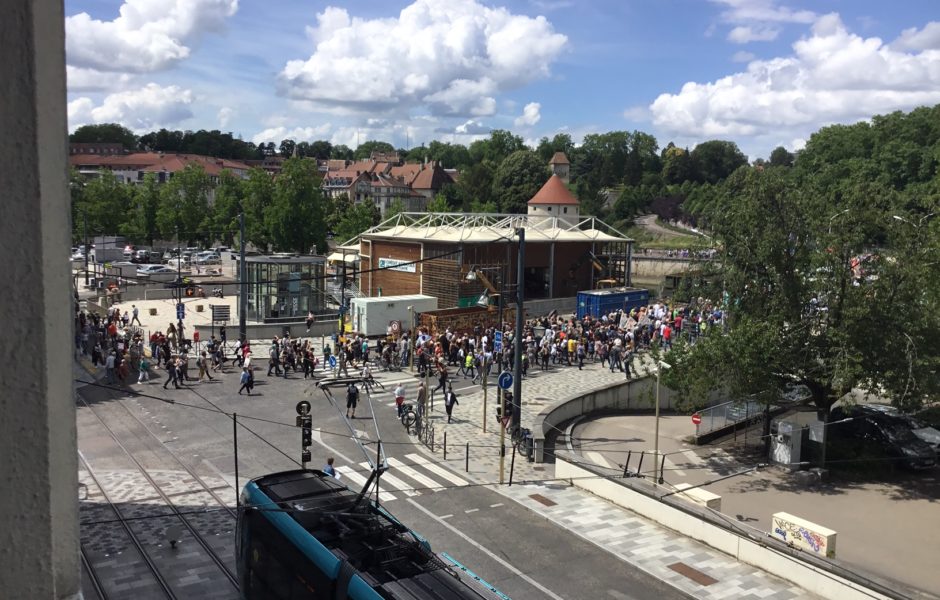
<point x="759" y="550"/>
<point x="266" y="331"/>
<point x="539" y="308"/>
<point x="636" y="394"/>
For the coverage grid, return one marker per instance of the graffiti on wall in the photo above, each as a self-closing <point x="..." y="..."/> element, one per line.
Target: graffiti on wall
<point x="804" y="535"/>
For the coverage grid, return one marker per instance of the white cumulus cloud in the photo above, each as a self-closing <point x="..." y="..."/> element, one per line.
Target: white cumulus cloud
<point x="450" y="56"/>
<point x="743" y="34"/>
<point x="91" y="80"/>
<point x="926" y="38"/>
<point x="150" y="107"/>
<point x="762" y="11"/>
<point x="530" y="115"/>
<point x="742" y="56"/>
<point x="148" y="35"/>
<point x="832" y="76"/>
<point x="225" y="116"/>
<point x="298" y="134"/>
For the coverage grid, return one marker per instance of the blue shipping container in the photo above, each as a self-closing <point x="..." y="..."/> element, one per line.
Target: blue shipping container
<point x="602" y="302"/>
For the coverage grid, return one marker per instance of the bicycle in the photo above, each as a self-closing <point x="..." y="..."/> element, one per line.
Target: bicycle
<point x="408" y="415"/>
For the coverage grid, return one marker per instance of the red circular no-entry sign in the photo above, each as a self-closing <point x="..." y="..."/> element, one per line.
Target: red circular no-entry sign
<point x="696" y="418"/>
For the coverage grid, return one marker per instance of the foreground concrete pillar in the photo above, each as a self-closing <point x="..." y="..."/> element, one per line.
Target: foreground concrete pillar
<point x="39" y="555"/>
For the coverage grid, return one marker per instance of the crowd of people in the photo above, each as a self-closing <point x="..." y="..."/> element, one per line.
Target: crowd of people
<point x="549" y="342"/>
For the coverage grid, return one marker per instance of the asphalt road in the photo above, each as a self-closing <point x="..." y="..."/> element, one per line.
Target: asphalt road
<point x="521" y="553"/>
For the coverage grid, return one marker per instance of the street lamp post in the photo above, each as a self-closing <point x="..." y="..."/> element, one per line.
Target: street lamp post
<point x="657" y="467"/>
<point x="85" y="234"/>
<point x="517" y="334"/>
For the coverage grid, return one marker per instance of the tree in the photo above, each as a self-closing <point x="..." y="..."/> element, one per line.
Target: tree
<point x="286" y="148"/>
<point x="781" y="157"/>
<point x="105" y="202"/>
<point x="354" y="221"/>
<point x="439" y="204"/>
<point x="500" y="144"/>
<point x="142" y="223"/>
<point x="295" y="219"/>
<point x="184" y="205"/>
<point x="341" y="152"/>
<point x="476" y="185"/>
<point x="258" y="196"/>
<point x="716" y="159"/>
<point x="303" y="149"/>
<point x="560" y="143"/>
<point x="228" y="204"/>
<point x="366" y="149"/>
<point x="677" y="165"/>
<point x="105" y="133"/>
<point x="395" y="208"/>
<point x="790" y="244"/>
<point x="517" y="180"/>
<point x="320" y="149"/>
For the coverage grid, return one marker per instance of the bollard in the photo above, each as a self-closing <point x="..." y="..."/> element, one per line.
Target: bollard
<point x="445" y="445"/>
<point x="466" y="464"/>
<point x="640" y="465"/>
<point x="512" y="464"/>
<point x="626" y="465"/>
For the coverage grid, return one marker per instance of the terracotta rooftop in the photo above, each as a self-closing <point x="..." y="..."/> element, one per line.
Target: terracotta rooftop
<point x="554" y="192"/>
<point x="431" y="178"/>
<point x="559" y="159"/>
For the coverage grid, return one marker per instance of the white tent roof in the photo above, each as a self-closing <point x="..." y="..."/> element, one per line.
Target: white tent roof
<point x="487" y="227"/>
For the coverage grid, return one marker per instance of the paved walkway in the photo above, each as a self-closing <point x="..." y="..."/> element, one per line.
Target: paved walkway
<point x="641" y="543"/>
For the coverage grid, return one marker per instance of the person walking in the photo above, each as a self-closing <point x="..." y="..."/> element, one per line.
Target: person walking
<point x="274" y="359"/>
<point x="245" y="380"/>
<point x="144" y="368"/>
<point x="450" y="399"/>
<point x="204" y="367"/>
<point x="136" y="315"/>
<point x="352" y="399"/>
<point x="328" y="469"/>
<point x="422" y="400"/>
<point x="171" y="374"/>
<point x="109" y="366"/>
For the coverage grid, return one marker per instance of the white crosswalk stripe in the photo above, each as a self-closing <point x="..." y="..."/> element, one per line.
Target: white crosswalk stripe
<point x="409" y="472"/>
<point x="390" y="481"/>
<point x="439" y="471"/>
<point x="356" y="478"/>
<point x="671" y="466"/>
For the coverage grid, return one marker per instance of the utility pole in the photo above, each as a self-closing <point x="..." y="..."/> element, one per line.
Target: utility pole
<point x="517" y="337"/>
<point x="342" y="301"/>
<point x="85" y="233"/>
<point x="242" y="282"/>
<point x="179" y="287"/>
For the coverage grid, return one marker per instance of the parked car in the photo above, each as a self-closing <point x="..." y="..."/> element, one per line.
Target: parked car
<point x="157" y="272"/>
<point x="866" y="429"/>
<point x="207" y="258"/>
<point x="925" y="432"/>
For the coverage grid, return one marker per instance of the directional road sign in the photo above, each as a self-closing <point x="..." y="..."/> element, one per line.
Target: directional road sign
<point x="498" y="341"/>
<point x="180" y="311"/>
<point x="505" y="380"/>
<point x="332" y="361"/>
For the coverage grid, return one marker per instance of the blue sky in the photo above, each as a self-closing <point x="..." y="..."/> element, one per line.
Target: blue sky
<point x="761" y="73"/>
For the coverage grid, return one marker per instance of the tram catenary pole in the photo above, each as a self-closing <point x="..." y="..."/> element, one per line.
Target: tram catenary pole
<point x="243" y="282"/>
<point x="517" y="334"/>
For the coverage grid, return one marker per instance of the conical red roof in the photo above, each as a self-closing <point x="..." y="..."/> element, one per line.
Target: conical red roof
<point x="554" y="192"/>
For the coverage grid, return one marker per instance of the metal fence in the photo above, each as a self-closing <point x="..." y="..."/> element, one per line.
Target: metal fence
<point x="727" y="414"/>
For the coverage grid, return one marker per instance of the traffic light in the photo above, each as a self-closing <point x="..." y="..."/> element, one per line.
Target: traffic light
<point x="306" y="432"/>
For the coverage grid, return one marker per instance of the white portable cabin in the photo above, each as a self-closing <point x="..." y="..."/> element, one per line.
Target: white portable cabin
<point x="374" y="316"/>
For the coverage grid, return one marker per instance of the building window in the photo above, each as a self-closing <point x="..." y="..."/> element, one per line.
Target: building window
<point x="549" y="209"/>
<point x="566" y="210"/>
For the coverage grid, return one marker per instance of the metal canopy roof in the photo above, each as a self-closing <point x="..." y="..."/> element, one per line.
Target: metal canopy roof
<point x="491" y="227"/>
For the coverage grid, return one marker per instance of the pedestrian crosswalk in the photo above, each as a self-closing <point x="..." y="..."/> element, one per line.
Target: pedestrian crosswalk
<point x="413" y="476"/>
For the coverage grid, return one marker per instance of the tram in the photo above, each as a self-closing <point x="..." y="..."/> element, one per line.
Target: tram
<point x="304" y="535"/>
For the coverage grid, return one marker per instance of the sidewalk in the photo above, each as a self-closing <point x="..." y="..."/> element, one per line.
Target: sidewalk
<point x="687" y="565"/>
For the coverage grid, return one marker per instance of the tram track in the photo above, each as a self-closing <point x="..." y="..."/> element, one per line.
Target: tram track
<point x="202" y="526"/>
